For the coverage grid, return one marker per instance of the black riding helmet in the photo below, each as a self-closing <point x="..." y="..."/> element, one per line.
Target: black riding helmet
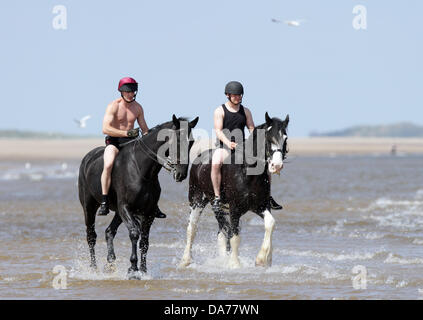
<point x="234" y="87"/>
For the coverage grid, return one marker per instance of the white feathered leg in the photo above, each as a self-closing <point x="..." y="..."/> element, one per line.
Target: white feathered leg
<point x="191" y="231"/>
<point x="264" y="257"/>
<point x="221" y="244"/>
<point x="234" y="259"/>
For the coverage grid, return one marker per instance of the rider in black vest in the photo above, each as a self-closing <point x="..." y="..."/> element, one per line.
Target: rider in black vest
<point x="229" y="117"/>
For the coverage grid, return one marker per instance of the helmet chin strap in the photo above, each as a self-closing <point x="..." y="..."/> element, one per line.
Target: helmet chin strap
<point x="127" y="101"/>
<point x="229" y="98"/>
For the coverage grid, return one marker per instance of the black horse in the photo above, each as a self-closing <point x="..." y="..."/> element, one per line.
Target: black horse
<point x="240" y="191"/>
<point x="135" y="188"/>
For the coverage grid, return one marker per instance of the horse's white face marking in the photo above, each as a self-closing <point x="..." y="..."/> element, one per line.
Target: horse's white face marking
<point x="276" y="162"/>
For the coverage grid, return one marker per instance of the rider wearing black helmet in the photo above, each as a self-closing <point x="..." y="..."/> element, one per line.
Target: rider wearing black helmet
<point x="231" y="116"/>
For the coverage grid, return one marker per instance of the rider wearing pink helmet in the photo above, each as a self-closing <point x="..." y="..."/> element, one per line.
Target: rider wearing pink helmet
<point x="118" y="125"/>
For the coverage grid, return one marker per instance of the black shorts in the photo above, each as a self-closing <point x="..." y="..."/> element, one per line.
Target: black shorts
<point x="116" y="141"/>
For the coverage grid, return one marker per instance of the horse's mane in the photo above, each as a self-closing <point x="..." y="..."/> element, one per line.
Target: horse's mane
<point x="263" y="126"/>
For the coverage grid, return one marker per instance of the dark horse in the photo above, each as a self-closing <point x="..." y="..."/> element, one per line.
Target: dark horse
<point x="241" y="191"/>
<point x="135" y="188"/>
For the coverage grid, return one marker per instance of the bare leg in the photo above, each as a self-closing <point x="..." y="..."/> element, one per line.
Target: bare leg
<point x="216" y="178"/>
<point x="110" y="153"/>
<point x="219" y="156"/>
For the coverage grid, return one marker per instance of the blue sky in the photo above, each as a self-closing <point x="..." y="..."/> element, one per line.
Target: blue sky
<point x="325" y="74"/>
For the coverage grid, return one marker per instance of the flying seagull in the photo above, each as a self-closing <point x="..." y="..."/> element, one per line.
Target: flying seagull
<point x="291" y="23"/>
<point x="82" y="123"/>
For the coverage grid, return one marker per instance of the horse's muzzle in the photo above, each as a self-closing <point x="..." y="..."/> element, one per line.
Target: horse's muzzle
<point x="275" y="168"/>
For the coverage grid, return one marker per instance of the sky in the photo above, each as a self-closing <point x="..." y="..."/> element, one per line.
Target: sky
<point x="325" y="74"/>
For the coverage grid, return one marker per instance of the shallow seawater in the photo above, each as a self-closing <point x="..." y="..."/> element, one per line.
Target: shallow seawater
<point x="343" y="217"/>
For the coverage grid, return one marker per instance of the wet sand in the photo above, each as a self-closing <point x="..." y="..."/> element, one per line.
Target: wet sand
<point x="74" y="149"/>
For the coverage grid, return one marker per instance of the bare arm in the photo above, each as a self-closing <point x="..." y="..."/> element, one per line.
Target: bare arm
<point x="218" y="126"/>
<point x="141" y="122"/>
<point x="250" y="122"/>
<point x="108" y="120"/>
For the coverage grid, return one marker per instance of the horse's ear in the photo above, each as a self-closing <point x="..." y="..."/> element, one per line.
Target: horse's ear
<point x="176" y="122"/>
<point x="286" y="120"/>
<point x="193" y="123"/>
<point x="268" y="119"/>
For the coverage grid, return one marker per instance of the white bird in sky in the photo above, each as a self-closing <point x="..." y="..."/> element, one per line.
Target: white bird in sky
<point x="82" y="123"/>
<point x="291" y="23"/>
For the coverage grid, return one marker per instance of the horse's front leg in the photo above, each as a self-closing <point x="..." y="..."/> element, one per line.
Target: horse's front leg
<point x="134" y="234"/>
<point x="144" y="242"/>
<point x="194" y="216"/>
<point x="234" y="240"/>
<point x="110" y="235"/>
<point x="264" y="257"/>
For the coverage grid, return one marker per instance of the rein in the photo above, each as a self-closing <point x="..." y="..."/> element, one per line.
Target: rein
<point x="167" y="163"/>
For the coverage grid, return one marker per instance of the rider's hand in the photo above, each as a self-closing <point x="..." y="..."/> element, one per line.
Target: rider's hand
<point x="232" y="145"/>
<point x="133" y="133"/>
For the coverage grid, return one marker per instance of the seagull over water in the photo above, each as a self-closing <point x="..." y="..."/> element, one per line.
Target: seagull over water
<point x="291" y="23"/>
<point x="82" y="123"/>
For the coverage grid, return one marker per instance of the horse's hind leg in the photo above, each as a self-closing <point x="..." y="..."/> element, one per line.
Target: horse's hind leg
<point x="134" y="234"/>
<point x="191" y="231"/>
<point x="110" y="235"/>
<point x="224" y="233"/>
<point x="234" y="240"/>
<point x="90" y="207"/>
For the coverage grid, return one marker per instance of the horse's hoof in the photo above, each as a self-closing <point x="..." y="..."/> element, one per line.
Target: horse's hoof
<point x="134" y="275"/>
<point x="184" y="263"/>
<point x="110" y="267"/>
<point x="262" y="263"/>
<point x="234" y="264"/>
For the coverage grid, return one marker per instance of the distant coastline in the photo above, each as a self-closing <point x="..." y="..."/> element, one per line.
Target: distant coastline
<point x="26" y="134"/>
<point x="397" y="130"/>
<point x="74" y="149"/>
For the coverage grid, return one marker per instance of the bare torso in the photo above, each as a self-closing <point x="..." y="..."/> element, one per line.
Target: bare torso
<point x="125" y="116"/>
<point x="120" y="117"/>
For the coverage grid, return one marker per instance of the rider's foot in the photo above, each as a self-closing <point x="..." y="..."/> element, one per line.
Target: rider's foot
<point x="160" y="214"/>
<point x="104" y="209"/>
<point x="216" y="205"/>
<point x="274" y="205"/>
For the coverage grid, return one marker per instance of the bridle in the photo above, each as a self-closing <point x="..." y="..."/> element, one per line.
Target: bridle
<point x="167" y="163"/>
<point x="269" y="151"/>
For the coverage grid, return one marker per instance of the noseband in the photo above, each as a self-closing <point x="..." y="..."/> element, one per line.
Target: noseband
<point x="270" y="151"/>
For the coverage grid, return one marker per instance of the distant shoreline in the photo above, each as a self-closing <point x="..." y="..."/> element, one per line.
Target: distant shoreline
<point x="75" y="149"/>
